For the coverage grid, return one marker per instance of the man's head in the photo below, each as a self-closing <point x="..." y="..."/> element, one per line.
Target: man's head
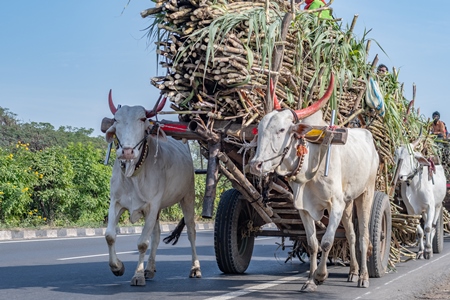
<point x="436" y="116"/>
<point x="382" y="69"/>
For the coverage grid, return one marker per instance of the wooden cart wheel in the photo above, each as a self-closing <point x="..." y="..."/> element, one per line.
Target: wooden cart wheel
<point x="380" y="235"/>
<point x="232" y="242"/>
<point x="438" y="239"/>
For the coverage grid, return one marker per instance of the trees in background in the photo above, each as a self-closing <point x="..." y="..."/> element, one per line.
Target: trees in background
<point x="41" y="135"/>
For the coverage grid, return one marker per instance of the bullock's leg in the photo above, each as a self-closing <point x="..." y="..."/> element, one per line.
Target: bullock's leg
<point x="187" y="206"/>
<point x="347" y="222"/>
<point x="419" y="233"/>
<point x="428" y="222"/>
<point x="142" y="245"/>
<point x="114" y="213"/>
<point x="437" y="211"/>
<point x="151" y="264"/>
<point x="313" y="249"/>
<point x="335" y="216"/>
<point x="363" y="209"/>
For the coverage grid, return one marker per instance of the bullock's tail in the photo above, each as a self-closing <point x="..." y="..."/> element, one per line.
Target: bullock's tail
<point x="175" y="233"/>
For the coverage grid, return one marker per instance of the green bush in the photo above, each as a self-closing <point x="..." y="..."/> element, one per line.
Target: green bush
<point x="55" y="192"/>
<point x="17" y="181"/>
<point x="56" y="186"/>
<point x="91" y="180"/>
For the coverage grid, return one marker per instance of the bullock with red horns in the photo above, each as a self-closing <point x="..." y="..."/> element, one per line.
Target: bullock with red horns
<point x="283" y="147"/>
<point x="151" y="172"/>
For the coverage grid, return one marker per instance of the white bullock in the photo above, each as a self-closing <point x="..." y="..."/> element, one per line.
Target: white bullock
<point x="423" y="188"/>
<point x="151" y="172"/>
<point x="282" y="148"/>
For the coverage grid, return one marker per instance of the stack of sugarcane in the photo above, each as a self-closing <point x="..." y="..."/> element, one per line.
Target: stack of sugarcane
<point x="444" y="151"/>
<point x="219" y="56"/>
<point x="444" y="154"/>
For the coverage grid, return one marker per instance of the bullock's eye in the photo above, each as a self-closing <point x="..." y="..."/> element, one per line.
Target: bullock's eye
<point x="282" y="129"/>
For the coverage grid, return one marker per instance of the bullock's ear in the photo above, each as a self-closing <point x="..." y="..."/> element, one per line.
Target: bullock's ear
<point x="109" y="136"/>
<point x="422" y="160"/>
<point x="301" y="129"/>
<point x="106" y="123"/>
<point x="159" y="134"/>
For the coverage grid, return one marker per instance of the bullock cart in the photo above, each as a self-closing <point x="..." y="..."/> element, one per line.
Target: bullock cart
<point x="255" y="201"/>
<point x="222" y="59"/>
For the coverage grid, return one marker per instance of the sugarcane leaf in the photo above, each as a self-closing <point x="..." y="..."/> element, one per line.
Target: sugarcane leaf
<point x="250" y="56"/>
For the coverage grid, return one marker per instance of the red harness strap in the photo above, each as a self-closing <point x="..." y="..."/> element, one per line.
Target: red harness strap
<point x="431" y="169"/>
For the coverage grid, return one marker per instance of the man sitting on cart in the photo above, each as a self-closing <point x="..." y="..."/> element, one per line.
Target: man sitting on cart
<point x="438" y="127"/>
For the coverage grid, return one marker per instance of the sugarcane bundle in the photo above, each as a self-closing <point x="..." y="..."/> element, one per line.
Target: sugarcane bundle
<point x="443" y="147"/>
<point x="219" y="58"/>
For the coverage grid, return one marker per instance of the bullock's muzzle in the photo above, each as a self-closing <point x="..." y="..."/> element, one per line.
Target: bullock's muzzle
<point x="127" y="153"/>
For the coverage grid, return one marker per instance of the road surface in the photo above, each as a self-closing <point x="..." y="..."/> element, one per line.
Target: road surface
<point x="77" y="268"/>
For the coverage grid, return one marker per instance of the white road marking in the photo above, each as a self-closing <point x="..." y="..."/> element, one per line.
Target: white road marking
<point x="63" y="239"/>
<point x="106" y="254"/>
<point x="407" y="273"/>
<point x="258" y="287"/>
<point x="95" y="255"/>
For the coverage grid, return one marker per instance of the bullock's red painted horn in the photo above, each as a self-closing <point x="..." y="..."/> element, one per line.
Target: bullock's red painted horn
<point x="306" y="112"/>
<point x="276" y="104"/>
<point x="112" y="107"/>
<point x="152" y="113"/>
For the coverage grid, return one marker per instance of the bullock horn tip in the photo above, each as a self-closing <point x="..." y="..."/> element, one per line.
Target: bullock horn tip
<point x="112" y="107"/>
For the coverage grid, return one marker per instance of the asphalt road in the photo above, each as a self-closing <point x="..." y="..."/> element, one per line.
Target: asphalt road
<point x="77" y="268"/>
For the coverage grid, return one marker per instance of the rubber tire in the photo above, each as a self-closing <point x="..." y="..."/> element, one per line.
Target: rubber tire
<point x="438" y="240"/>
<point x="380" y="229"/>
<point x="233" y="253"/>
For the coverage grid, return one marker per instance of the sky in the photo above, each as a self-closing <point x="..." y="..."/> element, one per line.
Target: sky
<point x="59" y="59"/>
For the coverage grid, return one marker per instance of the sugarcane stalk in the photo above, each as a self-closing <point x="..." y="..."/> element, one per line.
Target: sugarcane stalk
<point x="151" y="11"/>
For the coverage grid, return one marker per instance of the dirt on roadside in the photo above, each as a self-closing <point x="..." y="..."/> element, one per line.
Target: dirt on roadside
<point x="439" y="291"/>
<point x="436" y="288"/>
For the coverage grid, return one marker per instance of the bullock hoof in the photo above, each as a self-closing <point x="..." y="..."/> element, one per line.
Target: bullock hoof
<point x="195" y="273"/>
<point x="319" y="282"/>
<point x="363" y="283"/>
<point x="149" y="274"/>
<point x="427" y="254"/>
<point x="309" y="287"/>
<point x="138" y="280"/>
<point x="352" y="277"/>
<point x="320" y="278"/>
<point x="118" y="270"/>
